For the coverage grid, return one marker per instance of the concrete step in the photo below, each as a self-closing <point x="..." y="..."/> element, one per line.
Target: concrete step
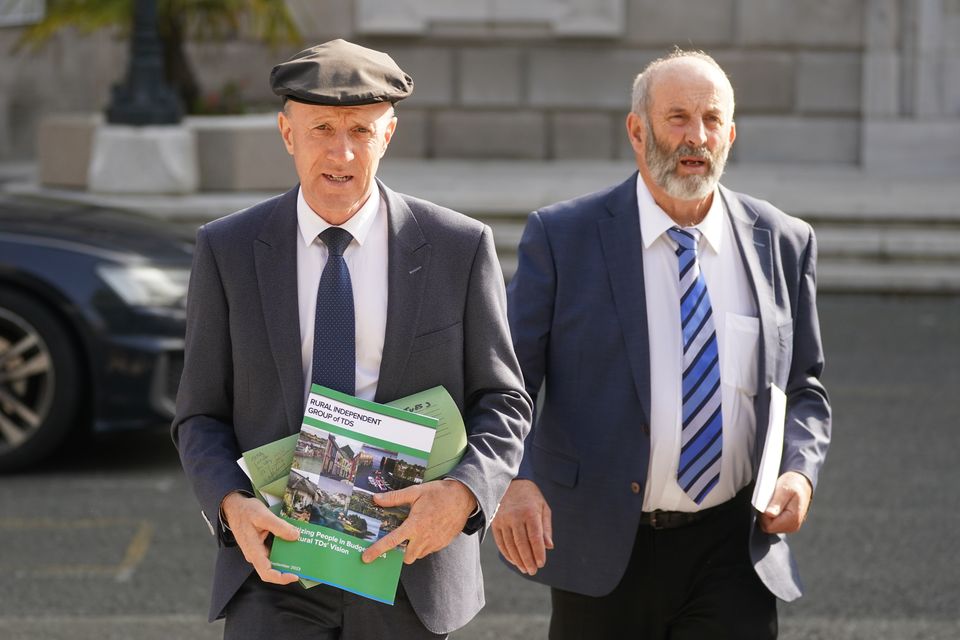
<point x="883" y="243"/>
<point x="851" y="258"/>
<point x="837" y="276"/>
<point x="876" y="233"/>
<point x="896" y="277"/>
<point x="889" y="243"/>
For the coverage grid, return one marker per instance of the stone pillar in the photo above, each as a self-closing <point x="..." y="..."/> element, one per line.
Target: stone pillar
<point x="911" y="87"/>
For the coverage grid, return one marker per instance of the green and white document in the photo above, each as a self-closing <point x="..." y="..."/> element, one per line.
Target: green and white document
<point x="348" y="450"/>
<point x="268" y="466"/>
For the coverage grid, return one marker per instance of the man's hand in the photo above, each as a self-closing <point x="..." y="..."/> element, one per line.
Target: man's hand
<point x="438" y="512"/>
<point x="251" y="522"/>
<point x="788" y="506"/>
<point x="523" y="528"/>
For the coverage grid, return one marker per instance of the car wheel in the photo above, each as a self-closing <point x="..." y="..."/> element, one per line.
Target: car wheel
<point x="39" y="381"/>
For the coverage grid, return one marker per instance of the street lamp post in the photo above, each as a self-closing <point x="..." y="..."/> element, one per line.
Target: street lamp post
<point x="144" y="98"/>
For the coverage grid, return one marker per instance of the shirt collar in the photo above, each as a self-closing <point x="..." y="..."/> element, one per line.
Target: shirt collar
<point x="654" y="221"/>
<point x="311" y="225"/>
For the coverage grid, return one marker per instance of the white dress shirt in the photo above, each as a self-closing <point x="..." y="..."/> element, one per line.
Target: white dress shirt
<point x="738" y="331"/>
<point x="366" y="258"/>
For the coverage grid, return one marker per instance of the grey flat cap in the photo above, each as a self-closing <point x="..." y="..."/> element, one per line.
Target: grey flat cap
<point x="340" y="73"/>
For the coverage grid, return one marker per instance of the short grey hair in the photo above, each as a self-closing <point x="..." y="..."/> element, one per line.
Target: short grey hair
<point x="643" y="83"/>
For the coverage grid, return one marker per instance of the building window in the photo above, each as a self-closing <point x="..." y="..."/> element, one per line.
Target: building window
<point x="18" y="13"/>
<point x="563" y="18"/>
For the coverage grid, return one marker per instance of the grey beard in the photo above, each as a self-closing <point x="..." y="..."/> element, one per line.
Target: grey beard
<point x="663" y="168"/>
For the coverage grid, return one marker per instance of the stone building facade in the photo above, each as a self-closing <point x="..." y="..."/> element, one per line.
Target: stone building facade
<point x="871" y="83"/>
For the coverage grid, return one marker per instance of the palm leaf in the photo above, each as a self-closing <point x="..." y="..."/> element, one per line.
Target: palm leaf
<point x="217" y="20"/>
<point x="85" y="15"/>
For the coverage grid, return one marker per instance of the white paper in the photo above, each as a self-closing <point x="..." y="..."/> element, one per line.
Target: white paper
<point x="244" y="467"/>
<point x="769" y="469"/>
<point x="271" y="499"/>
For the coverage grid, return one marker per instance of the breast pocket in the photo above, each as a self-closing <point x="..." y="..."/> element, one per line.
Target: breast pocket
<point x="436" y="338"/>
<point x="741" y="345"/>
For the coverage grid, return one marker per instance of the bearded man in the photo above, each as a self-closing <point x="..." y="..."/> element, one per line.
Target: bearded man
<point x="670" y="324"/>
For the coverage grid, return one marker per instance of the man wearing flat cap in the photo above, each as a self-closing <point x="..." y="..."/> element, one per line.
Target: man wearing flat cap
<point x="343" y="282"/>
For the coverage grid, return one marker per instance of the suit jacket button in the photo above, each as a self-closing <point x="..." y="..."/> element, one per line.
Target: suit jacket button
<point x="635" y="487"/>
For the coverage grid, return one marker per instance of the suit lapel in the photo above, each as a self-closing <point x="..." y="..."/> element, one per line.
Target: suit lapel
<point x="408" y="262"/>
<point x="623" y="252"/>
<point x="756" y="249"/>
<point x="275" y="255"/>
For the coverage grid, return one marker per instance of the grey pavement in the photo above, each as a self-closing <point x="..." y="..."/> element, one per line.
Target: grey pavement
<point x="106" y="542"/>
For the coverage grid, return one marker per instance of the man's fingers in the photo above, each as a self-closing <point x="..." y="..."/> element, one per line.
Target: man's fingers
<point x="523" y="527"/>
<point x="406" y="495"/>
<point x="506" y="548"/>
<point x="788" y="506"/>
<point x="522" y="541"/>
<point x="782" y="514"/>
<point x="273" y="576"/>
<point x="787" y="522"/>
<point x="546" y="521"/>
<point x="256" y="554"/>
<point x="510" y="551"/>
<point x="534" y="529"/>
<point x="778" y="502"/>
<point x="414" y="551"/>
<point x="252" y="523"/>
<point x="385" y="543"/>
<point x="248" y="514"/>
<point x="278" y="527"/>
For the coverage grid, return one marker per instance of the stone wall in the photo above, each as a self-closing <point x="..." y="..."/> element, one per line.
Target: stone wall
<point x="817" y="81"/>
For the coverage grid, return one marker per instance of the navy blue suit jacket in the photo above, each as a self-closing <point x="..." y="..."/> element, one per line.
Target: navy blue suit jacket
<point x="578" y="316"/>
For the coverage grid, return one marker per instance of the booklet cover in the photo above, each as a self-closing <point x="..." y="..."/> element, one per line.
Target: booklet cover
<point x="268" y="466"/>
<point x="349" y="449"/>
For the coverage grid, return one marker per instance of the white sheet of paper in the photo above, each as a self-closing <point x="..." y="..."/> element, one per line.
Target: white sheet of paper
<point x="769" y="469"/>
<point x="271" y="500"/>
<point x="243" y="466"/>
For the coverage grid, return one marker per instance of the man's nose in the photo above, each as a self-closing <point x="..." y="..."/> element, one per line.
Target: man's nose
<point x="340" y="149"/>
<point x="696" y="133"/>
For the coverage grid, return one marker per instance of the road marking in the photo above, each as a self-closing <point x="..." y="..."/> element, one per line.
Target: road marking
<point x="136" y="549"/>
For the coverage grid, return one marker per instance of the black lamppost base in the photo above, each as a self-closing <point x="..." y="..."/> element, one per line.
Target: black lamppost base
<point x="144" y="98"/>
<point x="139" y="105"/>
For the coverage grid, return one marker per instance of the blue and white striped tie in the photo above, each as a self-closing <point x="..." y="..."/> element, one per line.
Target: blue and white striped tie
<point x="702" y="431"/>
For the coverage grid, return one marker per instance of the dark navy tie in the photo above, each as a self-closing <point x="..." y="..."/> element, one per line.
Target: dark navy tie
<point x="702" y="431"/>
<point x="334" y="341"/>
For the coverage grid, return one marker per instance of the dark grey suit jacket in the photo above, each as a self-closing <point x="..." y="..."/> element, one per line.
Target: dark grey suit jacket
<point x="242" y="383"/>
<point x="578" y="314"/>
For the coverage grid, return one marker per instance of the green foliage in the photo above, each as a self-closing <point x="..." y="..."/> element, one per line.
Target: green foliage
<point x="178" y="21"/>
<point x="85" y="15"/>
<point x="265" y="20"/>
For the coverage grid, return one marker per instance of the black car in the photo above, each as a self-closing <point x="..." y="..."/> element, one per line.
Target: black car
<point x="92" y="317"/>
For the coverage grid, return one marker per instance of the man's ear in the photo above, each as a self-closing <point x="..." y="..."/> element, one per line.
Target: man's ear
<point x="286" y="131"/>
<point x="388" y="134"/>
<point x="635" y="132"/>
